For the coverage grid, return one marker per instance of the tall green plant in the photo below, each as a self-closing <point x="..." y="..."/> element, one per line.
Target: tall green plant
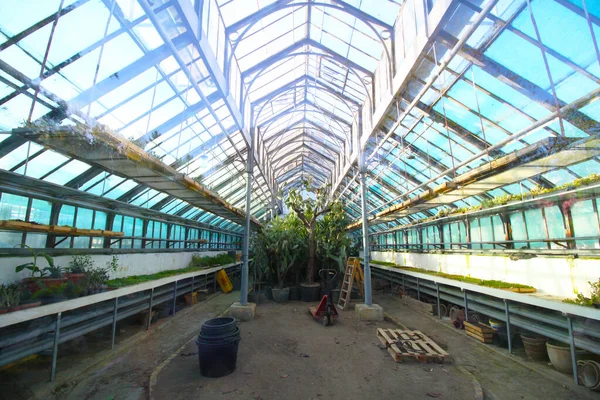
<point x="308" y="209"/>
<point x="332" y="240"/>
<point x="280" y="245"/>
<point x="33" y="265"/>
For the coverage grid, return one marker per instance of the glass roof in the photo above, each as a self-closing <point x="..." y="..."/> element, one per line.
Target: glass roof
<point x="190" y="81"/>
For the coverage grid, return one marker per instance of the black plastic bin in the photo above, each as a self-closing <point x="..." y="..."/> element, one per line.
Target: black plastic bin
<point x="217" y="344"/>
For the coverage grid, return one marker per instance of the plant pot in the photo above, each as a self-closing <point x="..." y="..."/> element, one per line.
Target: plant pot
<point x="191" y="299"/>
<point x="281" y="295"/>
<point x="589" y="374"/>
<point x="498" y="326"/>
<point x="295" y="293"/>
<point x="32" y="285"/>
<point x="535" y="347"/>
<point x="310" y="291"/>
<point x="26" y="306"/>
<point x="76" y="278"/>
<point x="53" y="282"/>
<point x="560" y="356"/>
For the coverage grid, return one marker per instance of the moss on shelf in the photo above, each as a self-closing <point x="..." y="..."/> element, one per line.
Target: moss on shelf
<point x="514" y="287"/>
<point x="200" y="262"/>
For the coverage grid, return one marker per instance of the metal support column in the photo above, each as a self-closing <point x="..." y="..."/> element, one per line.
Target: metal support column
<point x="418" y="290"/>
<point x="55" y="349"/>
<point x="246" y="248"/>
<point x="508" y="335"/>
<point x="437" y="292"/>
<point x="466" y="305"/>
<point x="114" y="324"/>
<point x="573" y="349"/>
<point x="150" y="309"/>
<point x="174" y="298"/>
<point x="365" y="226"/>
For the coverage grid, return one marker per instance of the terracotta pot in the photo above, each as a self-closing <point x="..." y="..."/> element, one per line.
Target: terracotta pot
<point x="535" y="347"/>
<point x="76" y="278"/>
<point x="54" y="282"/>
<point x="32" y="285"/>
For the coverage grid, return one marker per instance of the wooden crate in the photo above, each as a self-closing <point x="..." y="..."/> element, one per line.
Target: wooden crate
<point x="479" y="331"/>
<point x="413" y="344"/>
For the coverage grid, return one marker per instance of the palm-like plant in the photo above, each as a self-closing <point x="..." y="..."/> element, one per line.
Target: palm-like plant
<point x="33" y="265"/>
<point x="308" y="209"/>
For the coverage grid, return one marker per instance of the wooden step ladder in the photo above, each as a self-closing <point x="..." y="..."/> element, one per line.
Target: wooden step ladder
<point x="353" y="273"/>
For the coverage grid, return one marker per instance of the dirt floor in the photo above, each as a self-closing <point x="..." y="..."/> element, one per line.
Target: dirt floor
<point x="285" y="353"/>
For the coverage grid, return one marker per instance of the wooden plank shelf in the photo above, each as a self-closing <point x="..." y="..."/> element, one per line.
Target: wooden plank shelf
<point x="479" y="331"/>
<point x="23" y="226"/>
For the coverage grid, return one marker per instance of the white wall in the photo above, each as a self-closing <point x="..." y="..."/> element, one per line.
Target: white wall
<point x="554" y="276"/>
<point x="129" y="264"/>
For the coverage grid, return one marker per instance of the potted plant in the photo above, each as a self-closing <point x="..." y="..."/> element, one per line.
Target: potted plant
<point x="333" y="243"/>
<point x="286" y="242"/>
<point x="309" y="208"/>
<point x="50" y="294"/>
<point x="95" y="279"/>
<point x="32" y="283"/>
<point x="10" y="295"/>
<point x="77" y="268"/>
<point x="54" y="275"/>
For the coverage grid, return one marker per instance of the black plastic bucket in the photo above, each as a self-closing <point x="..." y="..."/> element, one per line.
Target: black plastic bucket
<point x="217" y="344"/>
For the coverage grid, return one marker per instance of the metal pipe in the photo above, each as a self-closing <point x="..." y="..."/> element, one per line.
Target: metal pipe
<point x="150" y="309"/>
<point x="466" y="305"/>
<point x="55" y="350"/>
<point x="114" y="325"/>
<point x="508" y="335"/>
<point x="418" y="291"/>
<point x="365" y="226"/>
<point x="437" y="290"/>
<point x="246" y="243"/>
<point x="573" y="349"/>
<point x="174" y="298"/>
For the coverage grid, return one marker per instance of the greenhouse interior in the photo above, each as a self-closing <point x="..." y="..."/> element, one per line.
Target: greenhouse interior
<point x="250" y="199"/>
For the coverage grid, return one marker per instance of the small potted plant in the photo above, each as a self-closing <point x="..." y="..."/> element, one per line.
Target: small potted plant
<point x="10" y="295"/>
<point x="32" y="283"/>
<point x="76" y="272"/>
<point x="54" y="275"/>
<point x="95" y="279"/>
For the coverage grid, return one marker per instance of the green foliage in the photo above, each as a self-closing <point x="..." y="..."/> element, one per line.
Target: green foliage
<point x="308" y="209"/>
<point x="135" y="279"/>
<point x="481" y="282"/>
<point x="280" y="245"/>
<point x="210" y="261"/>
<point x="113" y="264"/>
<point x="10" y="295"/>
<point x="96" y="278"/>
<point x="332" y="241"/>
<point x="54" y="271"/>
<point x="72" y="291"/>
<point x="588" y="301"/>
<point x="80" y="264"/>
<point x="50" y="292"/>
<point x="33" y="265"/>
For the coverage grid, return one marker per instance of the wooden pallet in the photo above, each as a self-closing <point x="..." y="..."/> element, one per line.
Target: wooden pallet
<point x="414" y="344"/>
<point x="479" y="331"/>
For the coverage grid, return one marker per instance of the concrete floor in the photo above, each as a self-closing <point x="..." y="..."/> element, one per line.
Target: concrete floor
<point x="344" y="362"/>
<point x="285" y="353"/>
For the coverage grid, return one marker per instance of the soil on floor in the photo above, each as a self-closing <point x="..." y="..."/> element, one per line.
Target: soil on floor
<point x="285" y="353"/>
